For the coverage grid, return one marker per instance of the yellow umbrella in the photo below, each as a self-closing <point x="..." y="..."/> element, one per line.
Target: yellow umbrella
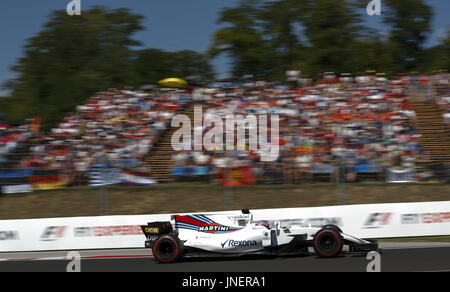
<point x="173" y="82"/>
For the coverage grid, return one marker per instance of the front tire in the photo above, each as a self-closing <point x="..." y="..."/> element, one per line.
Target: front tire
<point x="167" y="249"/>
<point x="328" y="242"/>
<point x="332" y="226"/>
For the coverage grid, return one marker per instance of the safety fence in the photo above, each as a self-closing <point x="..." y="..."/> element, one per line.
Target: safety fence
<point x="28" y="180"/>
<point x="22" y="181"/>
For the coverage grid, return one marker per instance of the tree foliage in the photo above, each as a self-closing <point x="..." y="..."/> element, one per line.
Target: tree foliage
<point x="409" y="22"/>
<point x="152" y="65"/>
<point x="71" y="58"/>
<point x="241" y="39"/>
<point x="324" y="35"/>
<point x="74" y="57"/>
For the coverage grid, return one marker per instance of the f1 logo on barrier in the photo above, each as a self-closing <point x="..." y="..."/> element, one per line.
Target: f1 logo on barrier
<point x="53" y="233"/>
<point x="377" y="220"/>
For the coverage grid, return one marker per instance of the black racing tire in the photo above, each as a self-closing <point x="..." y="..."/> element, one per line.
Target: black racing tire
<point x="328" y="242"/>
<point x="167" y="249"/>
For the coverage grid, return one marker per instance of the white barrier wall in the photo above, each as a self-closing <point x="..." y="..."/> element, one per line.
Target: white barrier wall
<point x="365" y="221"/>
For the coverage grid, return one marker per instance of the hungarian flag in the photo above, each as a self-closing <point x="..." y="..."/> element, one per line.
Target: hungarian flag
<point x="236" y="177"/>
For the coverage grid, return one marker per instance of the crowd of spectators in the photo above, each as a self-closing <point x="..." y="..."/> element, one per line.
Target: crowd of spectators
<point x="115" y="128"/>
<point x="337" y="128"/>
<point x="12" y="137"/>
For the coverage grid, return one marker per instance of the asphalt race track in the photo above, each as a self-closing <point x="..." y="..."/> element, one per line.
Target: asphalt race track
<point x="401" y="257"/>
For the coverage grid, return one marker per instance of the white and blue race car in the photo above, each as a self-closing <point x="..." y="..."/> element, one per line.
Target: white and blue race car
<point x="199" y="235"/>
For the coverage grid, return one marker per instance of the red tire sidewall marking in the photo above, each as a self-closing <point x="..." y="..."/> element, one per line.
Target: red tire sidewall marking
<point x="155" y="254"/>
<point x="337" y="239"/>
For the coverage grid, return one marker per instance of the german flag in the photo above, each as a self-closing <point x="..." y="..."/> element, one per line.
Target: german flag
<point x="48" y="180"/>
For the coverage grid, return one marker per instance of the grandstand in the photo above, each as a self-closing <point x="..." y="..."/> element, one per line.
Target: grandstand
<point x="160" y="158"/>
<point x="337" y="130"/>
<point x="435" y="132"/>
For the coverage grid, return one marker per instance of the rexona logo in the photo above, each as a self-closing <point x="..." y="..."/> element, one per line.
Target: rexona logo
<point x="239" y="243"/>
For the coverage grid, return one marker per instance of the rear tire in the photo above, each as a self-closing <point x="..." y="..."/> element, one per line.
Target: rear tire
<point x="328" y="242"/>
<point x="167" y="249"/>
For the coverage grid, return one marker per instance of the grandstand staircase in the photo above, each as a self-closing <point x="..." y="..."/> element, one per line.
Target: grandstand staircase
<point x="435" y="140"/>
<point x="160" y="157"/>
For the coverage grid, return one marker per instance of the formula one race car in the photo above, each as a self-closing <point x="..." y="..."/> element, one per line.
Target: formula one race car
<point x="234" y="235"/>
